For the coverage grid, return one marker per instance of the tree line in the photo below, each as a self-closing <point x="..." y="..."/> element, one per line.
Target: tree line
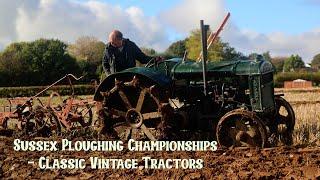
<point x="43" y="61"/>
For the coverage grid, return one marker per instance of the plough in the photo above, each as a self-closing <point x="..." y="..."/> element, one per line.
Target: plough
<point x="45" y="119"/>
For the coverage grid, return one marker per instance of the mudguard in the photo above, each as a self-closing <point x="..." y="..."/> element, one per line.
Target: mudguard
<point x="150" y="74"/>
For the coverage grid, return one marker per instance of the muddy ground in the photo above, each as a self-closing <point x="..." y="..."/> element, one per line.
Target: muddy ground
<point x="241" y="163"/>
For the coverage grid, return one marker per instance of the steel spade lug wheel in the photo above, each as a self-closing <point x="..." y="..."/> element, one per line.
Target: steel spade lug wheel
<point x="241" y="128"/>
<point x="5" y="123"/>
<point x="55" y="101"/>
<point x="100" y="113"/>
<point x="136" y="110"/>
<point x="39" y="120"/>
<point x="284" y="121"/>
<point x="4" y="129"/>
<point x="84" y="112"/>
<point x="54" y="123"/>
<point x="27" y="124"/>
<point x="46" y="122"/>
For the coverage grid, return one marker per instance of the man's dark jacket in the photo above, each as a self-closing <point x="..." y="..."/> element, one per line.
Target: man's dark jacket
<point x="115" y="60"/>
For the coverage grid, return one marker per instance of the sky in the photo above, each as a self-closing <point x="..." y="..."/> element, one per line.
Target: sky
<point x="281" y="27"/>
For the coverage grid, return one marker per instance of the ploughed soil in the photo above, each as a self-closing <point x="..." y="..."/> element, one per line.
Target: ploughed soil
<point x="238" y="163"/>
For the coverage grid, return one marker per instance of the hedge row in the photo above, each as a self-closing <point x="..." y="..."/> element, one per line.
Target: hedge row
<point x="290" y="76"/>
<point x="7" y="92"/>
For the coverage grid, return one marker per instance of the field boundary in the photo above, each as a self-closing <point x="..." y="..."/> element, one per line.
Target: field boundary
<point x="296" y="90"/>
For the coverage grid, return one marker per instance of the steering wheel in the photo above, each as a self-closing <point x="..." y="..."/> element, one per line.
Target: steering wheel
<point x="151" y="61"/>
<point x="154" y="61"/>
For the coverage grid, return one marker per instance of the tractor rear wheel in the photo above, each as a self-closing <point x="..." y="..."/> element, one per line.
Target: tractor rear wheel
<point x="135" y="109"/>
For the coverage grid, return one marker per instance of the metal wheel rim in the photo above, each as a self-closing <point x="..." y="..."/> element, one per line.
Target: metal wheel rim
<point x="144" y="94"/>
<point x="236" y="129"/>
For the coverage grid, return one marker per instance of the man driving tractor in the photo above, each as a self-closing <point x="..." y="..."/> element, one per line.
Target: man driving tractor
<point x="121" y="54"/>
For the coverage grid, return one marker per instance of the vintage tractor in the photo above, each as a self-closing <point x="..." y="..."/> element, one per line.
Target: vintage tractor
<point x="233" y="100"/>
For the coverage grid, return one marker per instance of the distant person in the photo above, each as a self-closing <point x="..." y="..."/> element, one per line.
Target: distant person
<point x="121" y="54"/>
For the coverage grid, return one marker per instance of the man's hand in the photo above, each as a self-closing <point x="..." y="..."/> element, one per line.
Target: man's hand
<point x="159" y="59"/>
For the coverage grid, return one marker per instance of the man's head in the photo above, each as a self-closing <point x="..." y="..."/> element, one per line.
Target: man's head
<point x="115" y="38"/>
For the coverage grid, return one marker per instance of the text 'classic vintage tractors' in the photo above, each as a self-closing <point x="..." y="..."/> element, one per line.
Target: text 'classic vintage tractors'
<point x="233" y="100"/>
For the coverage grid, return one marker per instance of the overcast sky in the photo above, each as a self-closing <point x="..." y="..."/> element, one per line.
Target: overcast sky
<point x="282" y="27"/>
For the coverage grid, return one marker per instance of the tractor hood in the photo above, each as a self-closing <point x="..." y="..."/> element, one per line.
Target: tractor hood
<point x="236" y="67"/>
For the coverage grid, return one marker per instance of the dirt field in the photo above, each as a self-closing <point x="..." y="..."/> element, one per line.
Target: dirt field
<point x="293" y="162"/>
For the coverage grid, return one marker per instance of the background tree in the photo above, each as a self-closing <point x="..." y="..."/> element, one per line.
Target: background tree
<point x="49" y="59"/>
<point x="149" y="51"/>
<point x="13" y="65"/>
<point x="253" y="56"/>
<point x="87" y="48"/>
<point x="293" y="63"/>
<point x="267" y="56"/>
<point x="229" y="53"/>
<point x="315" y="63"/>
<point x="193" y="46"/>
<point x="40" y="62"/>
<point x="89" y="52"/>
<point x="177" y="48"/>
<point x="278" y="63"/>
<point x="217" y="51"/>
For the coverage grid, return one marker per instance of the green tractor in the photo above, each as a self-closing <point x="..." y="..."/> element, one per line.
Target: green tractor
<point x="233" y="100"/>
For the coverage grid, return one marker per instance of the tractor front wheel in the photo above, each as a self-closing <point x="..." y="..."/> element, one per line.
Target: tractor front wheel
<point x="241" y="128"/>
